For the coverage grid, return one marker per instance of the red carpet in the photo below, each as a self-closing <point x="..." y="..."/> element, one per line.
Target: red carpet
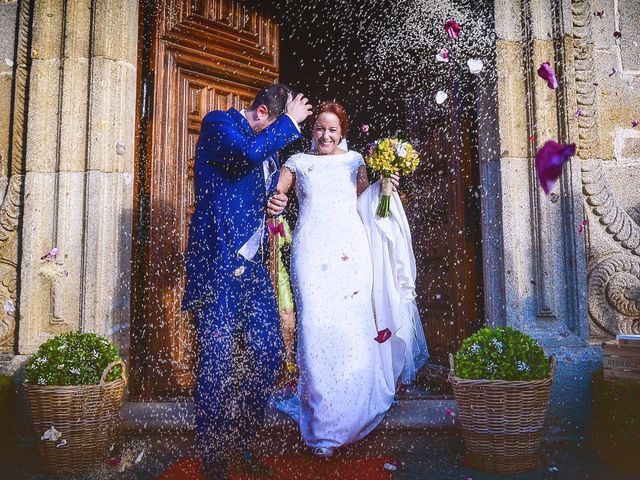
<point x="297" y="468"/>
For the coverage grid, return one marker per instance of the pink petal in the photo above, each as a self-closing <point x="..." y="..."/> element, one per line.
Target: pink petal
<point x="442" y="55"/>
<point x="113" y="461"/>
<point x="383" y="335"/>
<point x="546" y="73"/>
<point x="549" y="161"/>
<point x="578" y="113"/>
<point x="364" y="128"/>
<point x="345" y="258"/>
<point x="452" y="28"/>
<point x="584" y="223"/>
<point x="449" y="413"/>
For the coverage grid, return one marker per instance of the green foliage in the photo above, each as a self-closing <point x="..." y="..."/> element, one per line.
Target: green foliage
<point x="501" y="354"/>
<point x="72" y="359"/>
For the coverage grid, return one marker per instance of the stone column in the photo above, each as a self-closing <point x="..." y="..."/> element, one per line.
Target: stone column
<point x="544" y="252"/>
<point x="79" y="169"/>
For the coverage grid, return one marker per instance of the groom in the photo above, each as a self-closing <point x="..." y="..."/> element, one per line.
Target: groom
<point x="227" y="284"/>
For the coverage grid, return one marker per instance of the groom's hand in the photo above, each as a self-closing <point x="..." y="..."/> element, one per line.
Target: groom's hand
<point x="277" y="203"/>
<point x="298" y="108"/>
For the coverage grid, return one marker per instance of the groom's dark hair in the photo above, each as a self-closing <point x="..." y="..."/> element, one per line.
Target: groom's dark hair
<point x="274" y="97"/>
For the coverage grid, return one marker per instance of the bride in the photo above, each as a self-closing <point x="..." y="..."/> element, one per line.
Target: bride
<point x="347" y="379"/>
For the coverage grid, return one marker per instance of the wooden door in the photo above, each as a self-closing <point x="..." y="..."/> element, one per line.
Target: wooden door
<point x="443" y="206"/>
<point x="196" y="56"/>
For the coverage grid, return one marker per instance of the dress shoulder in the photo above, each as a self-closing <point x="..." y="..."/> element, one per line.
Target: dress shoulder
<point x="292" y="161"/>
<point x="357" y="157"/>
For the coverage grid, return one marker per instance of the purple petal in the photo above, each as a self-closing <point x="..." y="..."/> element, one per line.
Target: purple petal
<point x="546" y="73"/>
<point x="549" y="161"/>
<point x="635" y="123"/>
<point x="452" y="28"/>
<point x="364" y="128"/>
<point x="383" y="335"/>
<point x="584" y="223"/>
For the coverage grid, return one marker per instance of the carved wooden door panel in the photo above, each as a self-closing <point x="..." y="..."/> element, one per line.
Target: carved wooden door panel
<point x="443" y="209"/>
<point x="196" y="56"/>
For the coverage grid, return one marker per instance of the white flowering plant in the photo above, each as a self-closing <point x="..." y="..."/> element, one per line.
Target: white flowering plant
<point x="73" y="359"/>
<point x="501" y="353"/>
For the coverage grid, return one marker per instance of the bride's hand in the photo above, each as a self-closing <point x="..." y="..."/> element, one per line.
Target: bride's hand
<point x="395" y="181"/>
<point x="277" y="203"/>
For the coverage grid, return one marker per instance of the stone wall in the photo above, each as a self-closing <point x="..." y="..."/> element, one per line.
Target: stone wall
<point x="9" y="191"/>
<point x="73" y="129"/>
<point x="571" y="258"/>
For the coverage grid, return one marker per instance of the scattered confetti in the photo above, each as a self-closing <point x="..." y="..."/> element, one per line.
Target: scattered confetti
<point x="617" y="35"/>
<point x="441" y="97"/>
<point x="51" y="435"/>
<point x="578" y="113"/>
<point x="364" y="128"/>
<point x="635" y="123"/>
<point x="546" y="73"/>
<point x="613" y="71"/>
<point x="390" y="467"/>
<point x="452" y="28"/>
<point x="449" y="412"/>
<point x="276" y="229"/>
<point x="345" y="258"/>
<point x="8" y="62"/>
<point x="442" y="55"/>
<point x="549" y="161"/>
<point x="9" y="307"/>
<point x="239" y="271"/>
<point x="582" y="226"/>
<point x="121" y="148"/>
<point x="475" y="65"/>
<point x="50" y="254"/>
<point x="383" y="335"/>
<point x="600" y="14"/>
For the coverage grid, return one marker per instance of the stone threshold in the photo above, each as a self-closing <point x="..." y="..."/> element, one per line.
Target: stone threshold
<point x="407" y="413"/>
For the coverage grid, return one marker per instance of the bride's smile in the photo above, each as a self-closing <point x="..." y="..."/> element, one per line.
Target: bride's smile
<point x="327" y="133"/>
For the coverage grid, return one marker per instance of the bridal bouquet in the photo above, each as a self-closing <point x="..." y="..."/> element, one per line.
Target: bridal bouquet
<point x="387" y="156"/>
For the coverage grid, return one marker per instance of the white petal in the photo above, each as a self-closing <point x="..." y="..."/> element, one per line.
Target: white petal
<point x="9" y="307"/>
<point x="441" y="97"/>
<point x="475" y="65"/>
<point x="440" y="58"/>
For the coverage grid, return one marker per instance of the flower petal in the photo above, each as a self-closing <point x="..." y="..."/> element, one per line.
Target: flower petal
<point x="442" y="55"/>
<point x="441" y="97"/>
<point x="383" y="335"/>
<point x="549" y="161"/>
<point x="475" y="65"/>
<point x="546" y="73"/>
<point x="452" y="28"/>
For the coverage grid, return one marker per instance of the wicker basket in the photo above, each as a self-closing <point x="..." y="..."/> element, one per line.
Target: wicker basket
<point x="86" y="416"/>
<point x="502" y="421"/>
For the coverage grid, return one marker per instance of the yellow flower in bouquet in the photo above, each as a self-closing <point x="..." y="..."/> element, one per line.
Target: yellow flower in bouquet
<point x="387" y="156"/>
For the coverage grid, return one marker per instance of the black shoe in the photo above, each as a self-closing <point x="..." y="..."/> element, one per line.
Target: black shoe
<point x="253" y="466"/>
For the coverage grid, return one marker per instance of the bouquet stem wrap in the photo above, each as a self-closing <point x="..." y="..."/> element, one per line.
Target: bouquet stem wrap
<point x="385" y="198"/>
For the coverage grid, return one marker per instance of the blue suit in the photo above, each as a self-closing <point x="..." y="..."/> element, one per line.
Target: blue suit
<point x="232" y="297"/>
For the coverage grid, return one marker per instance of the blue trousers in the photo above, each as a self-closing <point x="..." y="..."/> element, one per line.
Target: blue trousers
<point x="240" y="353"/>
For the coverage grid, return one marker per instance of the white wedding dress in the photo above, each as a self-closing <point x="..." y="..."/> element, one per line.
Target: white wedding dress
<point x="347" y="379"/>
<point x="343" y="388"/>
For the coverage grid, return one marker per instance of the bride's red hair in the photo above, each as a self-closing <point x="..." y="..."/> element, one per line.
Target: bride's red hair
<point x="335" y="108"/>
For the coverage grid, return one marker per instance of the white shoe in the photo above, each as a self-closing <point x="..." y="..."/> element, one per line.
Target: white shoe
<point x="324" y="452"/>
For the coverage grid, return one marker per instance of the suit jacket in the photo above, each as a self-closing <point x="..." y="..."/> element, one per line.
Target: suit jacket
<point x="230" y="196"/>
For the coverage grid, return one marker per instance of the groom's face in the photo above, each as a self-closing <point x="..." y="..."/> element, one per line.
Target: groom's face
<point x="327" y="132"/>
<point x="262" y="119"/>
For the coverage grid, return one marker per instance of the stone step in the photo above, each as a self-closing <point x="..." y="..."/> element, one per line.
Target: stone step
<point x="409" y="412"/>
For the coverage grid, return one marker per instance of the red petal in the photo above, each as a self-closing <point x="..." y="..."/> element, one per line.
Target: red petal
<point x="383" y="335"/>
